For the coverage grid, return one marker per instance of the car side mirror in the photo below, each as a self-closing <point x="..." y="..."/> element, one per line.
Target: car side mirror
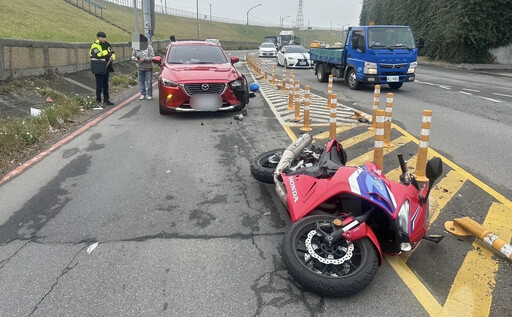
<point x="157" y="60"/>
<point x="234" y="60"/>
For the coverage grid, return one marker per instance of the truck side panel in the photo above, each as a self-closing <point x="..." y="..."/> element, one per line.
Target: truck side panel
<point x="328" y="55"/>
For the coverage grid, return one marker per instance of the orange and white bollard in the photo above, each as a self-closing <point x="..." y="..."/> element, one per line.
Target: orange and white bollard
<point x="266" y="72"/>
<point x="329" y="84"/>
<point x="297" y="117"/>
<point x="332" y="117"/>
<point x="421" y="162"/>
<point x="376" y="101"/>
<point x="283" y="88"/>
<point x="387" y="120"/>
<point x="329" y="101"/>
<point x="307" y="102"/>
<point x="273" y="75"/>
<point x="378" y="148"/>
<point x="291" y="91"/>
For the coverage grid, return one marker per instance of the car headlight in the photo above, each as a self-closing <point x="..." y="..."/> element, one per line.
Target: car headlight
<point x="237" y="84"/>
<point x="291" y="58"/>
<point x="403" y="217"/>
<point x="412" y="68"/>
<point x="169" y="83"/>
<point x="370" y="68"/>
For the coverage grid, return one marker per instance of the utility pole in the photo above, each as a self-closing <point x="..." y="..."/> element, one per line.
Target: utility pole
<point x="210" y="12"/>
<point x="136" y="16"/>
<point x="197" y="17"/>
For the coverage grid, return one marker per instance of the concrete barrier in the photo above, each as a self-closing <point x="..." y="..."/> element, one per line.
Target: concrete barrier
<point x="20" y="58"/>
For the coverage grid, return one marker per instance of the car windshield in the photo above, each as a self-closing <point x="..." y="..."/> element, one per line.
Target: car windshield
<point x="295" y="49"/>
<point x="390" y="37"/>
<point x="196" y="54"/>
<point x="267" y="45"/>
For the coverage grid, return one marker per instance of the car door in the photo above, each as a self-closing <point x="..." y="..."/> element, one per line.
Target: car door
<point x="356" y="51"/>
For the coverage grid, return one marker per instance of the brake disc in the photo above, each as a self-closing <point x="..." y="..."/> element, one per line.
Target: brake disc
<point x="311" y="251"/>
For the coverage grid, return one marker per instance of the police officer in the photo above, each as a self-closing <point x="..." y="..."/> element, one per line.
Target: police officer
<point x="102" y="56"/>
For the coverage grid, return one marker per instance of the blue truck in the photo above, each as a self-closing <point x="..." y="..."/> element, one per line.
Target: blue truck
<point x="380" y="54"/>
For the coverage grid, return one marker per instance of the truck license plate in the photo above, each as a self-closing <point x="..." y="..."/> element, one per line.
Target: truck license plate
<point x="392" y="79"/>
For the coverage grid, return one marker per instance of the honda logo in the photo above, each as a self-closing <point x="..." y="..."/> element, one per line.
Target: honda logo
<point x="205" y="86"/>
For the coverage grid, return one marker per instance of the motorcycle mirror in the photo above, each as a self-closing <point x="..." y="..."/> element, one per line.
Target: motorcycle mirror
<point x="434" y="168"/>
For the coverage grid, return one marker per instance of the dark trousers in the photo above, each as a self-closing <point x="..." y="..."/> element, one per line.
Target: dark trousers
<point x="102" y="86"/>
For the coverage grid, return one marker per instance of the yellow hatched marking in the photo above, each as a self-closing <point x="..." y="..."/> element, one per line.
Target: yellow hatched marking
<point x="445" y="190"/>
<point x="358" y="138"/>
<point x="471" y="292"/>
<point x="341" y="129"/>
<point x="368" y="156"/>
<point x="395" y="173"/>
<point x="419" y="290"/>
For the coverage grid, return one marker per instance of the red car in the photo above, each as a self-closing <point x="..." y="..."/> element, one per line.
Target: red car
<point x="199" y="76"/>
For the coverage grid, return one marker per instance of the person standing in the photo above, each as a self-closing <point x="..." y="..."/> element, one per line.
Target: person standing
<point x="145" y="67"/>
<point x="102" y="57"/>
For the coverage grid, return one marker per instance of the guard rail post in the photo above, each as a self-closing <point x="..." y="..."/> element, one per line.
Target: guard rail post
<point x="387" y="120"/>
<point x="378" y="150"/>
<point x="332" y="117"/>
<point x="376" y="101"/>
<point x="307" y="102"/>
<point x="421" y="162"/>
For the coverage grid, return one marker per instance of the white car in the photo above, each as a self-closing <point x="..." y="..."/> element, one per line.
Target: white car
<point x="293" y="56"/>
<point x="267" y="50"/>
<point x="214" y="41"/>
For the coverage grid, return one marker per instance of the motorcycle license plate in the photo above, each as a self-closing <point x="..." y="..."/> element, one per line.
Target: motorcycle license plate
<point x="206" y="102"/>
<point x="392" y="79"/>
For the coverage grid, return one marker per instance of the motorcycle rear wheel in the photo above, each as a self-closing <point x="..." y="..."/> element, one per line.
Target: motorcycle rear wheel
<point x="358" y="259"/>
<point x="264" y="165"/>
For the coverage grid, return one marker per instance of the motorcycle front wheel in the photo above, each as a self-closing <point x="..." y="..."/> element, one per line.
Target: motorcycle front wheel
<point x="264" y="165"/>
<point x="337" y="270"/>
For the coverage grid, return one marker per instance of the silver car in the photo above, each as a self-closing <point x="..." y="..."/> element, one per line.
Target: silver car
<point x="267" y="50"/>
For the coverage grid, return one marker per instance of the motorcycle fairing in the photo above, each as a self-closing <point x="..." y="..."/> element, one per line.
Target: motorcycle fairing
<point x="362" y="231"/>
<point x="365" y="182"/>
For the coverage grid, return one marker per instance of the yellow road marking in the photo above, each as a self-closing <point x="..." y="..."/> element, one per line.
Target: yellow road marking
<point x="471" y="292"/>
<point x="325" y="135"/>
<point x="419" y="290"/>
<point x="446" y="189"/>
<point x="368" y="156"/>
<point x="358" y="138"/>
<point x="394" y="174"/>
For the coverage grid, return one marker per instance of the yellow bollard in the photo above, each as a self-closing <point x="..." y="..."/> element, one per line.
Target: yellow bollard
<point x="376" y="101"/>
<point x="332" y="118"/>
<point x="329" y="101"/>
<point x="273" y="75"/>
<point x="329" y="85"/>
<point x="421" y="162"/>
<point x="266" y="72"/>
<point x="291" y="90"/>
<point x="378" y="150"/>
<point x="307" y="102"/>
<point x="297" y="117"/>
<point x="387" y="120"/>
<point x="283" y="89"/>
<point x="466" y="226"/>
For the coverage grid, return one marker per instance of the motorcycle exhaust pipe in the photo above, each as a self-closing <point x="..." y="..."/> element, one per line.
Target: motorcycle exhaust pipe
<point x="289" y="155"/>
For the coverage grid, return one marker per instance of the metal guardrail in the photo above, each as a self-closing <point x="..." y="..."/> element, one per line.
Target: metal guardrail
<point x="88" y="3"/>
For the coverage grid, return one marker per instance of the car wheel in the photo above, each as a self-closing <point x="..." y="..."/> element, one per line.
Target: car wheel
<point x="321" y="75"/>
<point x="352" y="81"/>
<point x="395" y="85"/>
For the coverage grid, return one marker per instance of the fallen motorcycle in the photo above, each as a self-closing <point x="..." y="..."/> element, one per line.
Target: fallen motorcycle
<point x="344" y="217"/>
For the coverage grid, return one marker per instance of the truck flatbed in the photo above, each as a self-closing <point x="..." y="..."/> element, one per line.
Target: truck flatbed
<point x="333" y="55"/>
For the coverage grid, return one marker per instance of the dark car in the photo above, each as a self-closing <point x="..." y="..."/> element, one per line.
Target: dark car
<point x="199" y="76"/>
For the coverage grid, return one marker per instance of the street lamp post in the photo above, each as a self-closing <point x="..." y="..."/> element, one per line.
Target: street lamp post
<point x="247" y="27"/>
<point x="197" y="17"/>
<point x="282" y="20"/>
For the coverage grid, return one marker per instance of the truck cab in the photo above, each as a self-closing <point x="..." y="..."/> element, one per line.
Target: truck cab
<point x="383" y="54"/>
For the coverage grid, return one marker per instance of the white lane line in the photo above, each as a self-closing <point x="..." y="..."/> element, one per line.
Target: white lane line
<point x="497" y="94"/>
<point x="465" y="93"/>
<point x="445" y="87"/>
<point x="491" y="99"/>
<point x="432" y="84"/>
<point x="473" y="90"/>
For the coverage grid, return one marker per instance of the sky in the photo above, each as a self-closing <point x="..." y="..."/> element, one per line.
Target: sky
<point x="316" y="13"/>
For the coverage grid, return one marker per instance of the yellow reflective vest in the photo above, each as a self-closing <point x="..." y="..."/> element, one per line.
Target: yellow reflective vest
<point x="101" y="50"/>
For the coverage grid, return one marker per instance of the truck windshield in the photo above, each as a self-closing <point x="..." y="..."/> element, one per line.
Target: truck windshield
<point x="391" y="37"/>
<point x="286" y="38"/>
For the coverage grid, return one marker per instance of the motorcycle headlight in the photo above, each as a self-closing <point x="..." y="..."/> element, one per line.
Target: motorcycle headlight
<point x="403" y="217"/>
<point x="169" y="83"/>
<point x="412" y="68"/>
<point x="370" y="68"/>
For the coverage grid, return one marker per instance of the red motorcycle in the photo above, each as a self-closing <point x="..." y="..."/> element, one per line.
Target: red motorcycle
<point x="344" y="217"/>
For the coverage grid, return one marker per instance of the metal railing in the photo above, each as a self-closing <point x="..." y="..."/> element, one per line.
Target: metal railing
<point x="88" y="3"/>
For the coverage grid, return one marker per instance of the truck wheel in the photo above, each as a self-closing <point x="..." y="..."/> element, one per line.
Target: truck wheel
<point x="320" y="73"/>
<point x="352" y="81"/>
<point x="395" y="85"/>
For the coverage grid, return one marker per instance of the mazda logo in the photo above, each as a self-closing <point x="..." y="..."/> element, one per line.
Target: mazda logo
<point x="205" y="86"/>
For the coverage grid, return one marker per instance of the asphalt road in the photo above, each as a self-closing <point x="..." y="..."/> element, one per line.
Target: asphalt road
<point x="183" y="228"/>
